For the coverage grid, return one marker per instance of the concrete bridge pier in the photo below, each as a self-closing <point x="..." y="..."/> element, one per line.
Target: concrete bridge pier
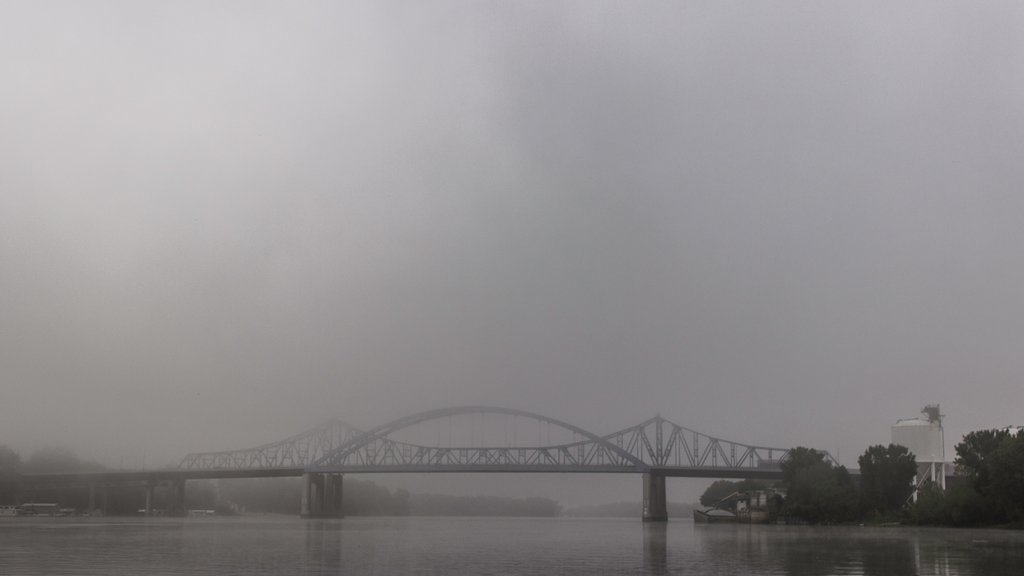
<point x="150" y="488"/>
<point x="175" y="498"/>
<point x="655" y="504"/>
<point x="333" y="489"/>
<point x="102" y="509"/>
<point x="321" y="495"/>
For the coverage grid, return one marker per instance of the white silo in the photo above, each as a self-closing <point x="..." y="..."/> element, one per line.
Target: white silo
<point x="924" y="437"/>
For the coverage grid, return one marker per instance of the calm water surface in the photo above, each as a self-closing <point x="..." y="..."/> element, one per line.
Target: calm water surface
<point x="282" y="545"/>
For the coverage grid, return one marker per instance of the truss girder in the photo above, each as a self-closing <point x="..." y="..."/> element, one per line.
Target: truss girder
<point x="661" y="443"/>
<point x="654" y="444"/>
<point x="384" y="454"/>
<point x="365" y="449"/>
<point x="295" y="452"/>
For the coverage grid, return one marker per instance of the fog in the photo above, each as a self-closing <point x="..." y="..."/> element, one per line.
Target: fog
<point x="785" y="223"/>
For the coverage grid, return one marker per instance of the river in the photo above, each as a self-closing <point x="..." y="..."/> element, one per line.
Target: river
<point x="282" y="545"/>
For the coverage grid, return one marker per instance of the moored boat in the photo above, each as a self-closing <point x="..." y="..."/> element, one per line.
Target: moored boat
<point x="713" y="516"/>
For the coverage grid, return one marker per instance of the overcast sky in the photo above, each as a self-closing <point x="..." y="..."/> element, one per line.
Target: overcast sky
<point x="776" y="222"/>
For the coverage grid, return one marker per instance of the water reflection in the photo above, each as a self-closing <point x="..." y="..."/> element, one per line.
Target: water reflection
<point x="849" y="554"/>
<point x="819" y="551"/>
<point x="270" y="546"/>
<point x="987" y="552"/>
<point x="932" y="558"/>
<point x="323" y="547"/>
<point x="804" y="551"/>
<point x="655" y="547"/>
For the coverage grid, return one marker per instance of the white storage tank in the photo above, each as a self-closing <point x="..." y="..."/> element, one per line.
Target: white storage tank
<point x="922" y="437"/>
<point x="925" y="438"/>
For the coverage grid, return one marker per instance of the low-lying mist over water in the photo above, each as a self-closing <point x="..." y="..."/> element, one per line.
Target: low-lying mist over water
<point x="781" y="224"/>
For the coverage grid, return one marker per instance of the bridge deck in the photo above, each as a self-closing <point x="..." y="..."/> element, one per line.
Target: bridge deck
<point x="143" y="477"/>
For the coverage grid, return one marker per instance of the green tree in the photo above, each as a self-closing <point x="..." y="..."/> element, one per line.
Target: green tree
<point x="800" y="458"/>
<point x="959" y="505"/>
<point x="974" y="456"/>
<point x="816" y="491"/>
<point x="993" y="462"/>
<point x="931" y="507"/>
<point x="1006" y="485"/>
<point x="718" y="490"/>
<point x="887" y="475"/>
<point x="821" y="493"/>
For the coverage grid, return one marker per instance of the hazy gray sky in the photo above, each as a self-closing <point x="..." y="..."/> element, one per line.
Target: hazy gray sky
<point x="783" y="223"/>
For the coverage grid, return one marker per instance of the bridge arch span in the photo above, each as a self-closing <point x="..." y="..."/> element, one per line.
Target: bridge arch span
<point x="591" y="447"/>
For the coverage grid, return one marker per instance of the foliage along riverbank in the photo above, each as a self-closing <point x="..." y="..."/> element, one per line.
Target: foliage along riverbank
<point x="987" y="491"/>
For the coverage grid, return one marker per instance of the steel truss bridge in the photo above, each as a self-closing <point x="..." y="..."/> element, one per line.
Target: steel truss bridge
<point x="656" y="448"/>
<point x="657" y="443"/>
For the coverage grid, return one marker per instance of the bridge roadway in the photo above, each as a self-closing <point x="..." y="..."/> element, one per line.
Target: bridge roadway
<point x="657" y="449"/>
<point x="164" y="476"/>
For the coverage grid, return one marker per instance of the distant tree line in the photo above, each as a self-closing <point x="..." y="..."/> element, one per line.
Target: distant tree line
<point x="444" y="505"/>
<point x="815" y="490"/>
<point x="51" y="460"/>
<point x="990" y="466"/>
<point x="255" y="495"/>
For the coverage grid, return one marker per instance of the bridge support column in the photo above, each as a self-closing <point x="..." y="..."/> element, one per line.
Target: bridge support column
<point x="176" y="498"/>
<point x="102" y="509"/>
<point x="309" y="495"/>
<point x="655" y="505"/>
<point x="333" y="485"/>
<point x="321" y="495"/>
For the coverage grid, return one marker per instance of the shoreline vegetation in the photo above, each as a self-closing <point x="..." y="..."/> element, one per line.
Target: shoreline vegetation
<point x="987" y="492"/>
